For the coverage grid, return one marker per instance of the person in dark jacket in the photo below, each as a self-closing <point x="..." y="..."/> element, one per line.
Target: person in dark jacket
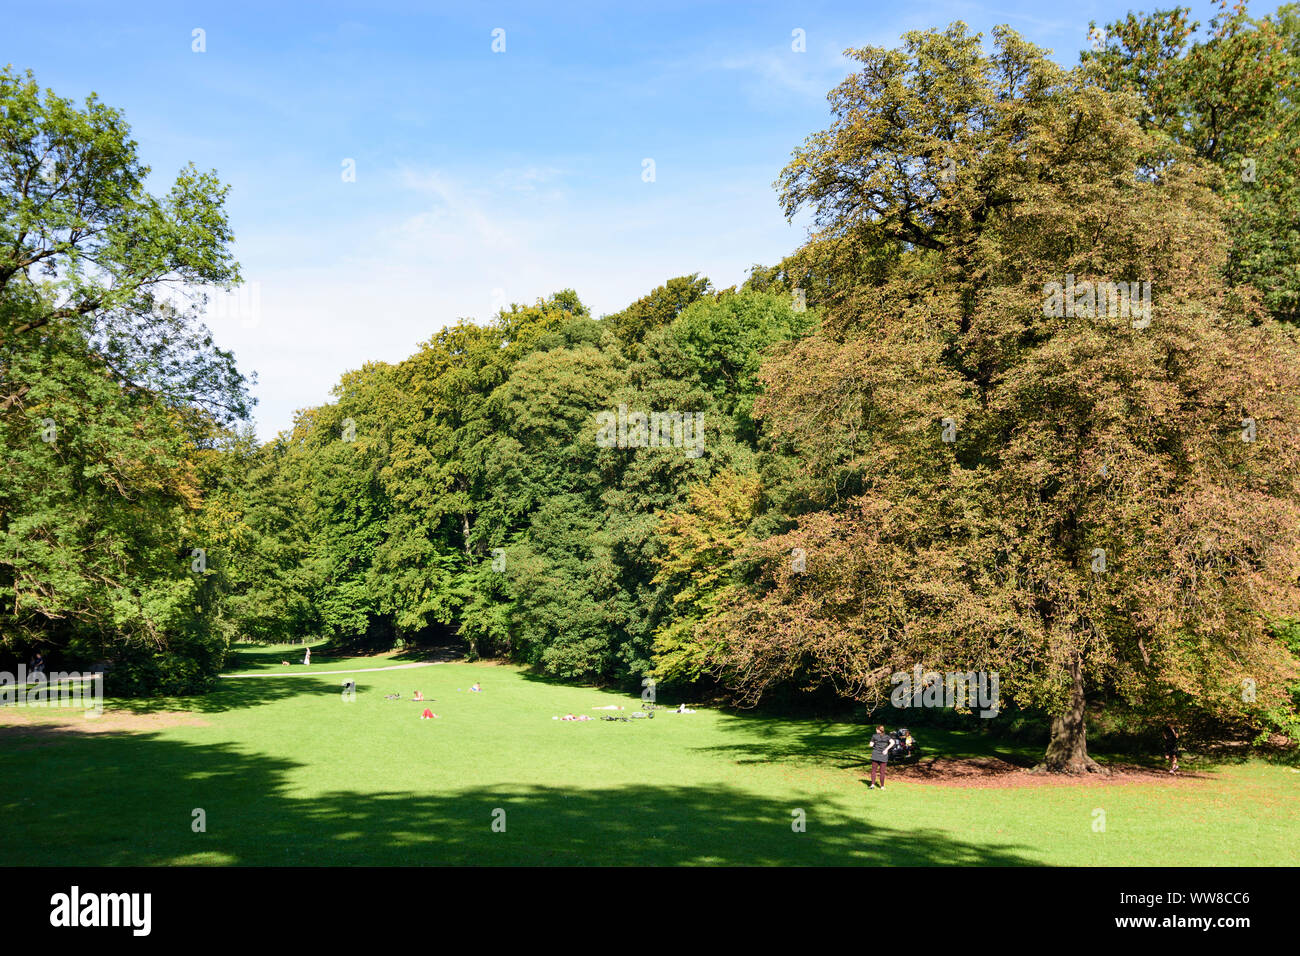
<point x="881" y="745"/>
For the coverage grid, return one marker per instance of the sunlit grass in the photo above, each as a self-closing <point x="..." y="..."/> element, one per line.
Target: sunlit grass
<point x="288" y="772"/>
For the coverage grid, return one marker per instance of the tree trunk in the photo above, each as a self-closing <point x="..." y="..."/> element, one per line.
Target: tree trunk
<point x="1067" y="751"/>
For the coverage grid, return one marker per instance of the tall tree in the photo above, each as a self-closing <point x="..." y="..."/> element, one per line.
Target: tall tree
<point x="1003" y="475"/>
<point x="108" y="383"/>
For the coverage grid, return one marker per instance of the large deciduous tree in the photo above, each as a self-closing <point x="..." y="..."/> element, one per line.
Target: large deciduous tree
<point x="107" y="384"/>
<point x="1000" y="474"/>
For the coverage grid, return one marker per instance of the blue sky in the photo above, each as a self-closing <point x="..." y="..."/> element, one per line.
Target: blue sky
<point x="481" y="178"/>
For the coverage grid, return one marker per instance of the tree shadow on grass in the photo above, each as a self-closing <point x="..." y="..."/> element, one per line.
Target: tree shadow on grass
<point x="244" y="693"/>
<point x="235" y="695"/>
<point x="255" y="658"/>
<point x="534" y="674"/>
<point x="130" y="800"/>
<point x="846" y="745"/>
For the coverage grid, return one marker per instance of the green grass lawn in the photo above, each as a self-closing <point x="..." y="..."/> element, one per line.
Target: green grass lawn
<point x="289" y="773"/>
<point x="270" y="658"/>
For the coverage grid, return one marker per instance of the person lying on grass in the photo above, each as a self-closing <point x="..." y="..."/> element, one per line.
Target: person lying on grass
<point x="476" y="689"/>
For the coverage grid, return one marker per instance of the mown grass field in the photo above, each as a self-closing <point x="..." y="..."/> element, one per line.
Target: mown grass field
<point x="269" y="659"/>
<point x="287" y="772"/>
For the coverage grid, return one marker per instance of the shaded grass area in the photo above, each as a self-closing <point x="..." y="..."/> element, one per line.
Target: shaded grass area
<point x="287" y="772"/>
<point x="258" y="658"/>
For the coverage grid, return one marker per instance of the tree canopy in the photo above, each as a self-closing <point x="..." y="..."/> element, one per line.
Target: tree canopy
<point x="1026" y="402"/>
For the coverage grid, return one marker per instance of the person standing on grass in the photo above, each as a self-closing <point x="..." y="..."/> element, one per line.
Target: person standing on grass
<point x="881" y="745"/>
<point x="306" y="658"/>
<point x="1171" y="747"/>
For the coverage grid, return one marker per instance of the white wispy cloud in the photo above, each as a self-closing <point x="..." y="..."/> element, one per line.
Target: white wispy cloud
<point x="455" y="244"/>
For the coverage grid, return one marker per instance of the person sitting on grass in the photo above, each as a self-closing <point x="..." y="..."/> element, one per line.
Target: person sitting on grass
<point x="476" y="689"/>
<point x="427" y="714"/>
<point x="418" y="696"/>
<point x="683" y="709"/>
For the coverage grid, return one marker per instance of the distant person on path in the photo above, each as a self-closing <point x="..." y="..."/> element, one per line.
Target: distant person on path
<point x="1171" y="747"/>
<point x="881" y="745"/>
<point x="306" y="658"/>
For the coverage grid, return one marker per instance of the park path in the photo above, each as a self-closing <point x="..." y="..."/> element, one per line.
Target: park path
<point x="307" y="672"/>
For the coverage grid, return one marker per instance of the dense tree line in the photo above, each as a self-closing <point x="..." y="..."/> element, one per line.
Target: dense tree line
<point x="928" y="438"/>
<point x="467" y="488"/>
